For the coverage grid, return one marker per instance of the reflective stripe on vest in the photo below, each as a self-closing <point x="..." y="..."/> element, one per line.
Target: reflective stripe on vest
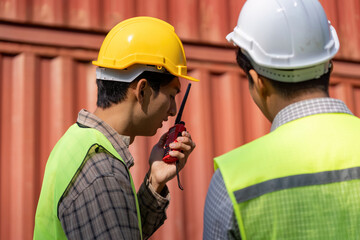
<point x="67" y="157"/>
<point x="302" y="181"/>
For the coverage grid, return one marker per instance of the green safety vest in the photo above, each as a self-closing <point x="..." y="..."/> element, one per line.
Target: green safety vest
<point x="67" y="157"/>
<point x="301" y="181"/>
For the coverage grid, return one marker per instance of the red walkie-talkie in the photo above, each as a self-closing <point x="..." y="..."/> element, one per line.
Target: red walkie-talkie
<point x="174" y="132"/>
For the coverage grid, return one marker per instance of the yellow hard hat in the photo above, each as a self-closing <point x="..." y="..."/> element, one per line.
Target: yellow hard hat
<point x="145" y="41"/>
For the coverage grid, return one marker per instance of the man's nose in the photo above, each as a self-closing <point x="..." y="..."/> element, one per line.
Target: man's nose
<point x="172" y="110"/>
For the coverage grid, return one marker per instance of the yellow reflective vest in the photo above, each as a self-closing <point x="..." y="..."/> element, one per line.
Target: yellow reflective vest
<point x="301" y="181"/>
<point x="67" y="157"/>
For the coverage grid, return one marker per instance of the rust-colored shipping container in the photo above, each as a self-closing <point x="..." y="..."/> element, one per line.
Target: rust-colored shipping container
<point x="46" y="77"/>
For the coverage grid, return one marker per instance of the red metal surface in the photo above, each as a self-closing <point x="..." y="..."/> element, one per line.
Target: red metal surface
<point x="51" y="12"/>
<point x="183" y="15"/>
<point x="5" y="144"/>
<point x="154" y="8"/>
<point x="46" y="77"/>
<point x="115" y="11"/>
<point x="14" y="10"/>
<point x="84" y="14"/>
<point x="205" y="21"/>
<point x="213" y="20"/>
<point x="349" y="31"/>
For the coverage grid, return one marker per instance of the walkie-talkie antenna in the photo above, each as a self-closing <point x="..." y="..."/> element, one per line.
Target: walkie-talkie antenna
<point x="181" y="109"/>
<point x="173" y="133"/>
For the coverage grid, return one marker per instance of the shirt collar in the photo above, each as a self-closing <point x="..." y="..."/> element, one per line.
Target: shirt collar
<point x="309" y="107"/>
<point x="120" y="142"/>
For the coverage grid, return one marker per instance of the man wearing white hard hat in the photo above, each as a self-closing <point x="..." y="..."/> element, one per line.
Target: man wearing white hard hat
<point x="88" y="191"/>
<point x="302" y="180"/>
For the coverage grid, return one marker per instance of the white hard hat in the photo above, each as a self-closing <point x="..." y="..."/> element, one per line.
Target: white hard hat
<point x="286" y="40"/>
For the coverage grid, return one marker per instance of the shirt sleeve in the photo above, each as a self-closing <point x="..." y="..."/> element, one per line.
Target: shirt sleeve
<point x="152" y="207"/>
<point x="219" y="218"/>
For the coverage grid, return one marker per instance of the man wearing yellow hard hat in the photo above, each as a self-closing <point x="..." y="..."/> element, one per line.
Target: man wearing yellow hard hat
<point x="87" y="191"/>
<point x="302" y="180"/>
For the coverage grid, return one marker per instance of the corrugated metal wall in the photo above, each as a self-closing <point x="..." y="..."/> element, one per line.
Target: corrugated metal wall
<point x="46" y="77"/>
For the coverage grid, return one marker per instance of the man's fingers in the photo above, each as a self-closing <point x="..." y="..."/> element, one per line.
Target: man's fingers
<point x="181" y="146"/>
<point x="180" y="156"/>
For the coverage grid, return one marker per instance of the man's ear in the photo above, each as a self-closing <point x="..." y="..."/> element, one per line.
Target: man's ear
<point x="259" y="83"/>
<point x="141" y="90"/>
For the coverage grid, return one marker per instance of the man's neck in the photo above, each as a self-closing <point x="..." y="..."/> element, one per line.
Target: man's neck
<point x="118" y="117"/>
<point x="278" y="102"/>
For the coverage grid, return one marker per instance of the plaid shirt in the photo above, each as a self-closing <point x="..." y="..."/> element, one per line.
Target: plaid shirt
<point x="100" y="203"/>
<point x="219" y="218"/>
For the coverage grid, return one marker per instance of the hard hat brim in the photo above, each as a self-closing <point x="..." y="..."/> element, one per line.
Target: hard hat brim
<point x="132" y="72"/>
<point x="189" y="78"/>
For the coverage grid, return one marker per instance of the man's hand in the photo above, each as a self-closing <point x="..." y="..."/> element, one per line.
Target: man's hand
<point x="161" y="172"/>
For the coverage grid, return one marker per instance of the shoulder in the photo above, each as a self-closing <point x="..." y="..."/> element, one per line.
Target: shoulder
<point x="97" y="167"/>
<point x="244" y="154"/>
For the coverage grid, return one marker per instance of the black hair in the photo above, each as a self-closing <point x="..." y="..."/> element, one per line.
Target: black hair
<point x="113" y="92"/>
<point x="287" y="90"/>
